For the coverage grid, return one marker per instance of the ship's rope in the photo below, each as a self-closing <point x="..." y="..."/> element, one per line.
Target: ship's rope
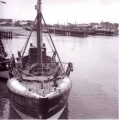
<point x="41" y="55"/>
<point x="33" y="39"/>
<point x="48" y="41"/>
<point x="53" y="43"/>
<point x="24" y="48"/>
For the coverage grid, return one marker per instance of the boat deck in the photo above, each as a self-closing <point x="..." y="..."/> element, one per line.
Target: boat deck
<point x="41" y="88"/>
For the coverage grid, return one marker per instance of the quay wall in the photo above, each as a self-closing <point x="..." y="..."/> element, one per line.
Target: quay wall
<point x="67" y="32"/>
<point x="82" y="33"/>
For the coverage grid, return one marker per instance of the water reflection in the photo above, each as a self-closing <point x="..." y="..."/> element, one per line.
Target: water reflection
<point x="4" y="108"/>
<point x="4" y="100"/>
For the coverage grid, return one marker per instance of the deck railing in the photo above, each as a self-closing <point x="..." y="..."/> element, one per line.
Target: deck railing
<point x="32" y="70"/>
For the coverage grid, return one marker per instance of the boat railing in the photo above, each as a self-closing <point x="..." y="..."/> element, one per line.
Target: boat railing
<point x="48" y="69"/>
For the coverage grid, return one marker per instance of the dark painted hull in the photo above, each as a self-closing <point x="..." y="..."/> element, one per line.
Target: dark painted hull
<point x="43" y="108"/>
<point x="3" y="79"/>
<point x="4" y="69"/>
<point x="4" y="74"/>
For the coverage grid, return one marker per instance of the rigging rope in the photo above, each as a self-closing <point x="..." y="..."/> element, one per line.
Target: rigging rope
<point x="28" y="37"/>
<point x="52" y="42"/>
<point x="48" y="41"/>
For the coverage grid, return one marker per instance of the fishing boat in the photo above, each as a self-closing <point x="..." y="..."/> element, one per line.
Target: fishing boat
<point x="4" y="70"/>
<point x="40" y="86"/>
<point x="4" y="62"/>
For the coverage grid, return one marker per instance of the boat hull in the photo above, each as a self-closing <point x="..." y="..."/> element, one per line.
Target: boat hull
<point x="24" y="116"/>
<point x="4" y="74"/>
<point x="30" y="105"/>
<point x="44" y="108"/>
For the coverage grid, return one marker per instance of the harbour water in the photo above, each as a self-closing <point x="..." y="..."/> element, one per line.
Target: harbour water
<point x="94" y="93"/>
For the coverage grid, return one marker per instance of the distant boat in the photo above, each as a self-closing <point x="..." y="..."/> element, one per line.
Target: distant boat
<point x="41" y="84"/>
<point x="27" y="28"/>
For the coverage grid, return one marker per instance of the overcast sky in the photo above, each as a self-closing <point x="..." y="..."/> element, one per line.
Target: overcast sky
<point x="63" y="11"/>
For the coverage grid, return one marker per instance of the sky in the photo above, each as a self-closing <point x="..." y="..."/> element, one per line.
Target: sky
<point x="63" y="11"/>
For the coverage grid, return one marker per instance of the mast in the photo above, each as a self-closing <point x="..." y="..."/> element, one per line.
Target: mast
<point x="39" y="33"/>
